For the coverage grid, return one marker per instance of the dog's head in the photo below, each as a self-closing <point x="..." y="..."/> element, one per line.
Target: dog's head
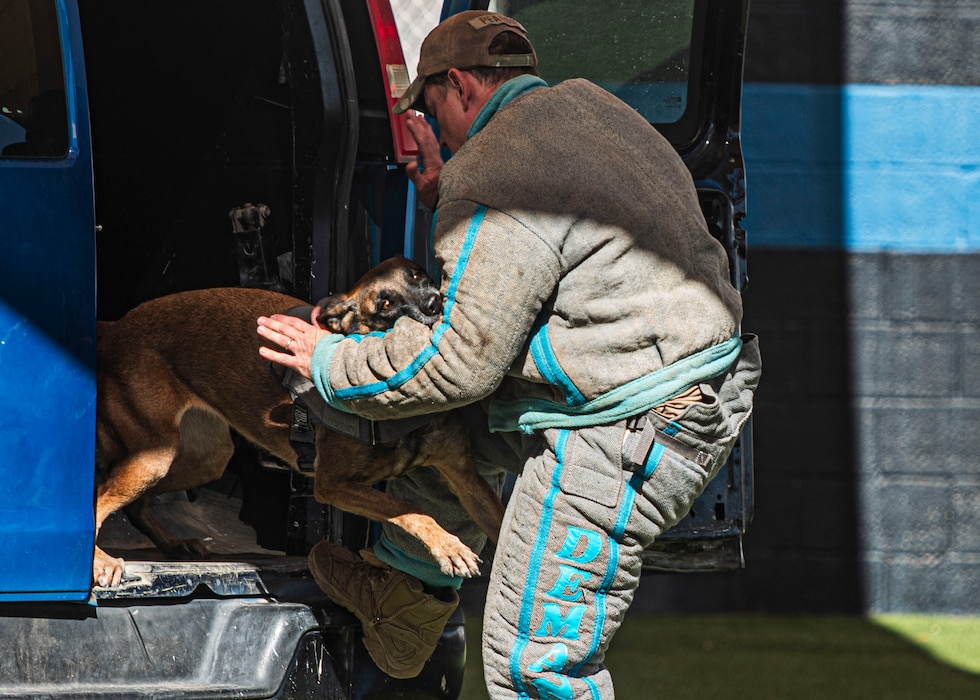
<point x="395" y="288"/>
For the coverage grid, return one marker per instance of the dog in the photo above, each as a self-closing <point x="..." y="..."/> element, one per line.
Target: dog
<point x="176" y="372"/>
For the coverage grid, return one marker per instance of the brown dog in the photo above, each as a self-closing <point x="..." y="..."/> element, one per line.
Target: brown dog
<point x="175" y="372"/>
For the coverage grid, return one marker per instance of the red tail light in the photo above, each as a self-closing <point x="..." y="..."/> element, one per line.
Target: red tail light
<point x="395" y="74"/>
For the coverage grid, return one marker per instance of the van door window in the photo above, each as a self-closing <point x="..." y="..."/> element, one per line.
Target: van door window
<point x="33" y="115"/>
<point x="638" y="50"/>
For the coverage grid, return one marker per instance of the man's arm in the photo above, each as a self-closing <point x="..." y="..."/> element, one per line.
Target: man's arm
<point x="497" y="275"/>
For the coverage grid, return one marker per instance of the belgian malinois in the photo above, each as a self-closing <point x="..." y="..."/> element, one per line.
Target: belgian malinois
<point x="175" y="372"/>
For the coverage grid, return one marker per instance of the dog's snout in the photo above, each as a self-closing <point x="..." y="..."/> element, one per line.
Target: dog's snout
<point x="432" y="305"/>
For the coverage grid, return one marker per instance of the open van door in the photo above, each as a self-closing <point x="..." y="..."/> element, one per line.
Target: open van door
<point x="47" y="307"/>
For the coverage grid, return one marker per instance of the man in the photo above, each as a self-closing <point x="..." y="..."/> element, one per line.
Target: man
<point x="588" y="309"/>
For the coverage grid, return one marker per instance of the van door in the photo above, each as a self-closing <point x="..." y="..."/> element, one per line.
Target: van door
<point x="47" y="306"/>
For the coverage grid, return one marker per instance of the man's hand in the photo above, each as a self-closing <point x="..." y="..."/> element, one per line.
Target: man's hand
<point x="426" y="181"/>
<point x="296" y="337"/>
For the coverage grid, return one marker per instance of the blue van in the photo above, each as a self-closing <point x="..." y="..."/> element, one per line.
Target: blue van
<point x="149" y="148"/>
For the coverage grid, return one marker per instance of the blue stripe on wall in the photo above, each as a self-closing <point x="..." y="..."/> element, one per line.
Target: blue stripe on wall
<point x="862" y="168"/>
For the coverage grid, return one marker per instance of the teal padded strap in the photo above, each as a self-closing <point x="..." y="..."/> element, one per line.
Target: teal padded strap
<point x="630" y="399"/>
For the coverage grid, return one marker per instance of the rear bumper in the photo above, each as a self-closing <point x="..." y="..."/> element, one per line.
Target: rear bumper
<point x="207" y="630"/>
<point x="200" y="648"/>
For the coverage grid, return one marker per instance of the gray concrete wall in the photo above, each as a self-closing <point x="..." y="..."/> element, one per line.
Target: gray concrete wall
<point x="867" y="430"/>
<point x="915" y="325"/>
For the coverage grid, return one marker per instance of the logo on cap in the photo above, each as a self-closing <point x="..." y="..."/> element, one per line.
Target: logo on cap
<point x="490" y="20"/>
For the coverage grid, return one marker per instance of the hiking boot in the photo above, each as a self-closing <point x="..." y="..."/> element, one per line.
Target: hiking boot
<point x="401" y="622"/>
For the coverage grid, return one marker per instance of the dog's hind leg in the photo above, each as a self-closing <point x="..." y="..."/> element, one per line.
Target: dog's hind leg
<point x="202" y="456"/>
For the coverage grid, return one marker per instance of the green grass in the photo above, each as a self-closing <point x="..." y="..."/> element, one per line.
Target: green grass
<point x="951" y="640"/>
<point x="749" y="657"/>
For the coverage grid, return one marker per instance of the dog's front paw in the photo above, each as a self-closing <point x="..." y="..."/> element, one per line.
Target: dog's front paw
<point x="456" y="559"/>
<point x="107" y="571"/>
<point x="453" y="557"/>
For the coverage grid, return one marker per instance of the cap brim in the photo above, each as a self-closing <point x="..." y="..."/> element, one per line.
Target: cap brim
<point x="411" y="98"/>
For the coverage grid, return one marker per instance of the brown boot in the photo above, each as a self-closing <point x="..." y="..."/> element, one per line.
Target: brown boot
<point x="401" y="622"/>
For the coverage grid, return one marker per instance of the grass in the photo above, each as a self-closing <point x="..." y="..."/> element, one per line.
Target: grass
<point x="951" y="640"/>
<point x="749" y="657"/>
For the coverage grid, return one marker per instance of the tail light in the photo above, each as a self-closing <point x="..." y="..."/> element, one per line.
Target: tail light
<point x="395" y="74"/>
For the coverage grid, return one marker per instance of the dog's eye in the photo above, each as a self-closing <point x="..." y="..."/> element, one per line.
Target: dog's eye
<point x="384" y="304"/>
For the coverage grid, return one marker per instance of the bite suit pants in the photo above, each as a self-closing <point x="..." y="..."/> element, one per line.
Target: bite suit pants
<point x="568" y="559"/>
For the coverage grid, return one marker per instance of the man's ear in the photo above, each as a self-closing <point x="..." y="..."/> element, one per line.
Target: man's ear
<point x="455" y="78"/>
<point x="464" y="84"/>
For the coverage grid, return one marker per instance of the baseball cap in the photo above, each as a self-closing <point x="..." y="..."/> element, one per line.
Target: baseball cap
<point x="463" y="41"/>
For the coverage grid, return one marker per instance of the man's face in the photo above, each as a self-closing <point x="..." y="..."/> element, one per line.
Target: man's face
<point x="444" y="104"/>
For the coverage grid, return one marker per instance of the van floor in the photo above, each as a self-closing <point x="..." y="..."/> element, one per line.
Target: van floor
<point x="238" y="564"/>
<point x="211" y="517"/>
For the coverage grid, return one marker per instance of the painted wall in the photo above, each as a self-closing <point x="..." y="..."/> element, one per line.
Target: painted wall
<point x="860" y="125"/>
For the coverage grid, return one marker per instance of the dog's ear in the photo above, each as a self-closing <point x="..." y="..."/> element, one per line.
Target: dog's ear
<point x="336" y="313"/>
<point x="315" y="316"/>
